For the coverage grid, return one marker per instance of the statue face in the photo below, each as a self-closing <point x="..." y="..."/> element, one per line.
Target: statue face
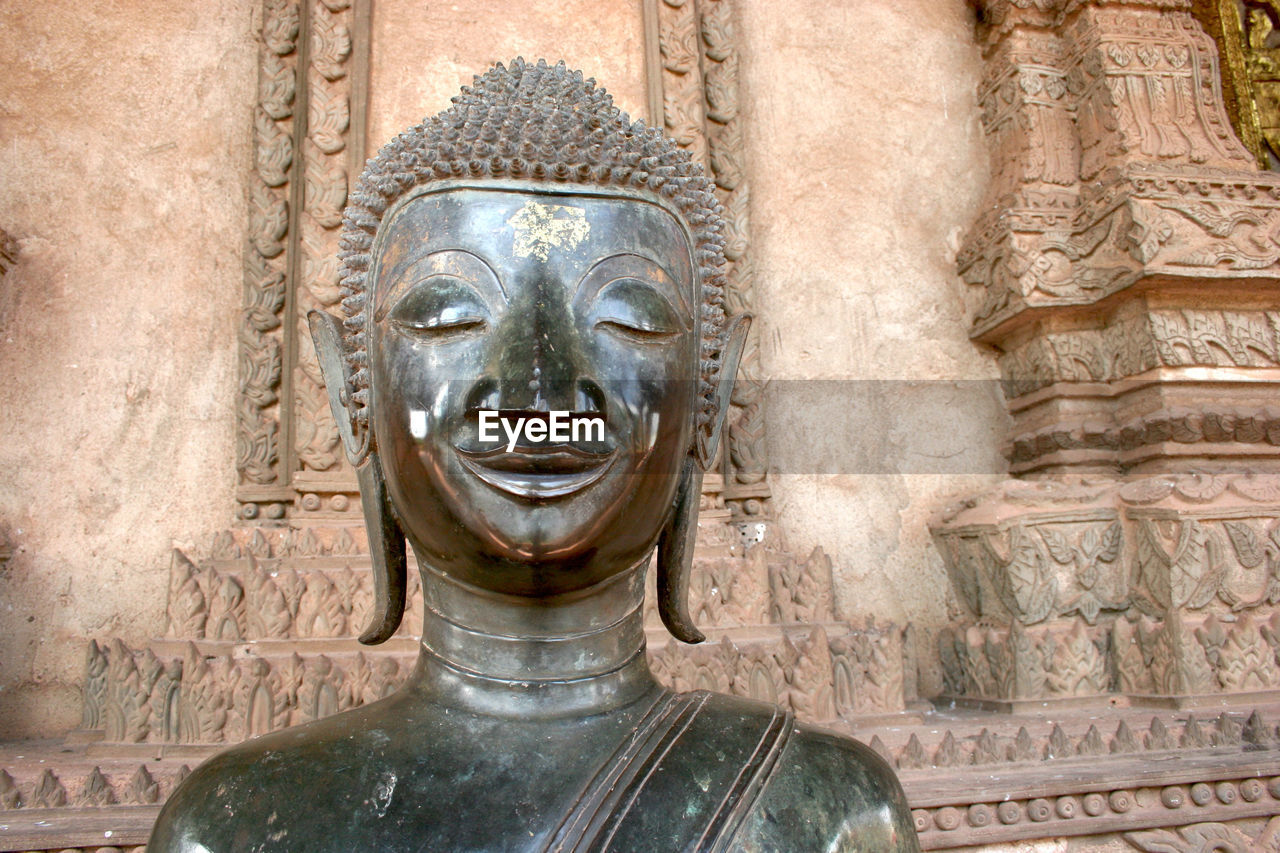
<point x="525" y="304"/>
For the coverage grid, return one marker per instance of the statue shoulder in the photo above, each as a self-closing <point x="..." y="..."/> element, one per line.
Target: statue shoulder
<point x="260" y="787"/>
<point x="790" y="786"/>
<point x="831" y="792"/>
<point x="219" y="791"/>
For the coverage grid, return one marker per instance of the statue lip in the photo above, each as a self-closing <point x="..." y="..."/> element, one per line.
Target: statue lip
<point x="543" y="471"/>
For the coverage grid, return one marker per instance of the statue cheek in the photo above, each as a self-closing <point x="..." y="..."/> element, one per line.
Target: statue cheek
<point x="659" y="413"/>
<point x="431" y="414"/>
<point x="427" y="375"/>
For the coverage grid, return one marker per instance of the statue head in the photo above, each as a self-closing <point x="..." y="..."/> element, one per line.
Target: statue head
<point x="526" y="252"/>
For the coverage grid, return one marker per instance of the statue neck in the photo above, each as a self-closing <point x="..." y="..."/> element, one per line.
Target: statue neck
<point x="547" y="657"/>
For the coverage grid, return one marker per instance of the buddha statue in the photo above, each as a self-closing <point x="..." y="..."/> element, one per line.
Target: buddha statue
<point x="531" y="259"/>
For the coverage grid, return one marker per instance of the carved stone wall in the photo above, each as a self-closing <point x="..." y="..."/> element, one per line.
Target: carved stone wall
<point x="1128" y="782"/>
<point x="1161" y="590"/>
<point x="259" y="638"/>
<point x="307" y="141"/>
<point x="1124" y="266"/>
<point x="1113" y="162"/>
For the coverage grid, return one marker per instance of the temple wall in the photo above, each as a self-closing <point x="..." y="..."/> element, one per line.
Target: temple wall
<point x="1109" y="594"/>
<point x="867" y="162"/>
<point x="602" y="38"/>
<point x="126" y="144"/>
<point x="125" y="181"/>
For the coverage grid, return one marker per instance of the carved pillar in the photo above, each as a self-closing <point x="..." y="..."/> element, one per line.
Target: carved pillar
<point x="697" y="86"/>
<point x="308" y="137"/>
<point x="1125" y="266"/>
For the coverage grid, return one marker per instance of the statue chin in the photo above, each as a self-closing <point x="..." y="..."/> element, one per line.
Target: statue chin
<point x="532" y="721"/>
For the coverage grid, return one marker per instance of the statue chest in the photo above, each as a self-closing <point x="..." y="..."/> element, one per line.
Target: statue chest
<point x="681" y="774"/>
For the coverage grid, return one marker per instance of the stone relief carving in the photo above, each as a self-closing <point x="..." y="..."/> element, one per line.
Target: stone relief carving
<point x="285" y="591"/>
<point x="302" y="127"/>
<point x="1077" y="805"/>
<point x="1186" y="337"/>
<point x="257" y="436"/>
<point x="1208" y="836"/>
<point x="700" y="97"/>
<point x="1110" y="268"/>
<point x="324" y="196"/>
<point x="95" y="789"/>
<point x="216" y="698"/>
<point x="1130" y="93"/>
<point x="1126" y="299"/>
<point x="1087" y="281"/>
<point x="1169" y="582"/>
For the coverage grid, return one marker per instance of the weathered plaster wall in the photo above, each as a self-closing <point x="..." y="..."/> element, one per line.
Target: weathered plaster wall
<point x="125" y="133"/>
<point x="867" y="163"/>
<point x="422" y="53"/>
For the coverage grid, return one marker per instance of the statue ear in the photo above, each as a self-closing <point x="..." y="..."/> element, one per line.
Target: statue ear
<point x="675" y="543"/>
<point x="386" y="540"/>
<point x="387" y="552"/>
<point x="735" y="339"/>
<point x="675" y="555"/>
<point x="326" y="334"/>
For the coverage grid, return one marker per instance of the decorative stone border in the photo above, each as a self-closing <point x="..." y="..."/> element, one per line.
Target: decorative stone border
<point x="1242" y="786"/>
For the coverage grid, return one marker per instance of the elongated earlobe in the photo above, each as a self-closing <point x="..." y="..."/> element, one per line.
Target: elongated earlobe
<point x="326" y="334"/>
<point x="675" y="556"/>
<point x="386" y="550"/>
<point x="676" y="542"/>
<point x="386" y="540"/>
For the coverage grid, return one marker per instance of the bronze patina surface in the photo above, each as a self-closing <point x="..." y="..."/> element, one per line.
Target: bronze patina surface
<point x="530" y="251"/>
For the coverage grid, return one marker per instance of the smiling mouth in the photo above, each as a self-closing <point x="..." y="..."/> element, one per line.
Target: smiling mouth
<point x="537" y="474"/>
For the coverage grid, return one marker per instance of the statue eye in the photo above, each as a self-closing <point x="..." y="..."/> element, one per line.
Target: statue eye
<point x="633" y="310"/>
<point x="438" y="308"/>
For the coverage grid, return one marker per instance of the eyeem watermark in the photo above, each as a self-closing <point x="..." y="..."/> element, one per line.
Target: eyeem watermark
<point x="556" y="426"/>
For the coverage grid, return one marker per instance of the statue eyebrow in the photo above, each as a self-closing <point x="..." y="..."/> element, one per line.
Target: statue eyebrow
<point x="666" y="282"/>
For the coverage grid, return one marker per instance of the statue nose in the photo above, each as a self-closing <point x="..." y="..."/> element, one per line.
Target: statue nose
<point x="547" y="383"/>
<point x="582" y="396"/>
<point x="540" y="364"/>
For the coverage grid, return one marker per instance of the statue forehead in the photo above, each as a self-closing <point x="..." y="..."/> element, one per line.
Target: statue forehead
<point x="532" y="222"/>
